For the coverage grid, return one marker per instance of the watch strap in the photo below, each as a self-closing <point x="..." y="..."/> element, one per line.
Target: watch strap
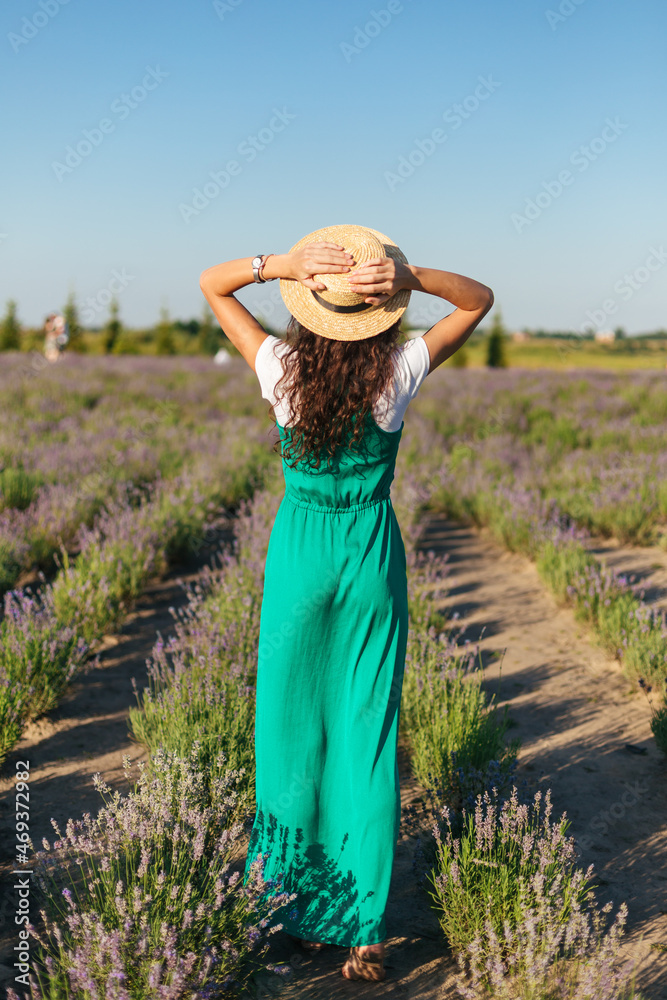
<point x="265" y="257"/>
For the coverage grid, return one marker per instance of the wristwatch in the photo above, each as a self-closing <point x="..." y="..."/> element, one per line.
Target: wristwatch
<point x="257" y="266"/>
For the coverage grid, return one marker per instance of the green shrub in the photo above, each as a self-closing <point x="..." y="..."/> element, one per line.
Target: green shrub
<point x="659" y="728"/>
<point x="144" y="898"/>
<point x="503" y="855"/>
<point x="18" y="487"/>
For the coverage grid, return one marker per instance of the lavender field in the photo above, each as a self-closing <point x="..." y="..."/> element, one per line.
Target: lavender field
<point x="82" y="434"/>
<point x="113" y="470"/>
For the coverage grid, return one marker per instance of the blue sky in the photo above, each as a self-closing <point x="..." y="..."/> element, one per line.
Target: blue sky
<point x="353" y="107"/>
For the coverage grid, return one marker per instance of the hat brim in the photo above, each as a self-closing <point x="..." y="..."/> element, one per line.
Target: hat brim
<point x="304" y="306"/>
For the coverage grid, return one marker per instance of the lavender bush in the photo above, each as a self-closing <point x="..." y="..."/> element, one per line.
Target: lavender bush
<point x="83" y="432"/>
<point x="453" y="731"/>
<point x="38" y="657"/>
<point x="499" y="471"/>
<point x="130" y="543"/>
<point x="545" y="958"/>
<point x="503" y="855"/>
<point x="87" y="599"/>
<point x="147" y="899"/>
<point x="202" y="680"/>
<point x="625" y="625"/>
<point x="14" y="549"/>
<point x="592" y="442"/>
<point x="659" y="728"/>
<point x="132" y="540"/>
<point x="456" y="739"/>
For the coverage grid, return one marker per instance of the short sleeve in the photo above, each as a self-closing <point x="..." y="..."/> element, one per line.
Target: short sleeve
<point x="413" y="364"/>
<point x="268" y="366"/>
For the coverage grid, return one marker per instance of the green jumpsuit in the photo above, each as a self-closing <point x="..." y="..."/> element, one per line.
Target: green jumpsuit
<point x="333" y="635"/>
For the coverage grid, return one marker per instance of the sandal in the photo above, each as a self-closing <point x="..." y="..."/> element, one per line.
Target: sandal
<point x="365" y="964"/>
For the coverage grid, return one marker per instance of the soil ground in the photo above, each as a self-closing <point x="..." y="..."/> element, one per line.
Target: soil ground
<point x="580" y="720"/>
<point x="87" y="733"/>
<point x="574" y="710"/>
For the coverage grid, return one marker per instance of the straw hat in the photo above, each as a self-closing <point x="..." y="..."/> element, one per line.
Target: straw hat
<point x="339" y="313"/>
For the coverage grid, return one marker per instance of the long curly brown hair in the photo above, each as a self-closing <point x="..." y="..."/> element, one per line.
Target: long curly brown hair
<point x="332" y="386"/>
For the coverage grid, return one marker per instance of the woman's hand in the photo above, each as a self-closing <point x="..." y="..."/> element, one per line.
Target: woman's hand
<point x="317" y="258"/>
<point x="380" y="278"/>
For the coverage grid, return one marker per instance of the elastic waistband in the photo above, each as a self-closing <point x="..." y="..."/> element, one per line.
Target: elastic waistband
<point x="293" y="498"/>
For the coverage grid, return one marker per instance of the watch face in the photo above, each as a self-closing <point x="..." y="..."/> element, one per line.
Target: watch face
<point x="256" y="261"/>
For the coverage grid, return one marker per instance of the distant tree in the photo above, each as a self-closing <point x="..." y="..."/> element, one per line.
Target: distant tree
<point x="164" y="334"/>
<point x="495" y="343"/>
<point x="10" y="329"/>
<point x="209" y="332"/>
<point x="191" y="328"/>
<point x="460" y="358"/>
<point x="127" y="343"/>
<point x="113" y="328"/>
<point x="620" y="333"/>
<point x="71" y="315"/>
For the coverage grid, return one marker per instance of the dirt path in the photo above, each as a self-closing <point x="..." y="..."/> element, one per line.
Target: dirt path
<point x="574" y="712"/>
<point x="86" y="733"/>
<point x="417" y="963"/>
<point x="648" y="566"/>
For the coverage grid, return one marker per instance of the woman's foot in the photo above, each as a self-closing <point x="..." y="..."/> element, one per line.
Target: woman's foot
<point x="312" y="945"/>
<point x="365" y="962"/>
<point x="309" y="945"/>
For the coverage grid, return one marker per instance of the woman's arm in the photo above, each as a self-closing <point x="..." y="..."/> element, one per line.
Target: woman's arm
<point x="219" y="283"/>
<point x="382" y="278"/>
<point x="472" y="299"/>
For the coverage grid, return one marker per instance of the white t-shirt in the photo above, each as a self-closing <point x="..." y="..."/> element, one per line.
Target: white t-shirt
<point x="411" y="366"/>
